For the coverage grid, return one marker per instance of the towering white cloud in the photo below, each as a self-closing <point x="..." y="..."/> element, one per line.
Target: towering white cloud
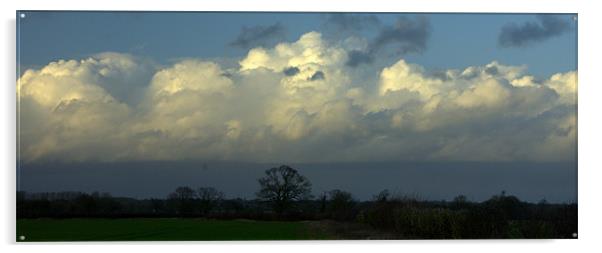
<point x="66" y="112"/>
<point x="297" y="101"/>
<point x="565" y="85"/>
<point x="408" y="78"/>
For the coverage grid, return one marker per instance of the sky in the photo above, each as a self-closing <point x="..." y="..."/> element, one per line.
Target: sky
<point x="478" y="92"/>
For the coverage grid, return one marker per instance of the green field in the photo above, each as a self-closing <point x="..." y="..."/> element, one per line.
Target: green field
<point x="161" y="229"/>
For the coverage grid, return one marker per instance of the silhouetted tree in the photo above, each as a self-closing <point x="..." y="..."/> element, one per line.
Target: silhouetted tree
<point x="208" y="198"/>
<point x="459" y="202"/>
<point x="323" y="198"/>
<point x="282" y="186"/>
<point x="182" y="193"/>
<point x="382" y="196"/>
<point x="157" y="205"/>
<point x="341" y="205"/>
<point x="184" y="199"/>
<point x="87" y="203"/>
<point x="460" y="199"/>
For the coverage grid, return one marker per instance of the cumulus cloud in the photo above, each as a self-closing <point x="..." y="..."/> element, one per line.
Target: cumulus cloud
<point x="546" y="27"/>
<point x="294" y="102"/>
<point x="65" y="109"/>
<point x="259" y="36"/>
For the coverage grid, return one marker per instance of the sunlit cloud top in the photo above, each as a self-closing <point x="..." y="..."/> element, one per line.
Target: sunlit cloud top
<point x="314" y="98"/>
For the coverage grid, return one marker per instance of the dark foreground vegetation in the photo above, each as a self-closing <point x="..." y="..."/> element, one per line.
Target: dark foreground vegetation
<point x="161" y="229"/>
<point x="285" y="210"/>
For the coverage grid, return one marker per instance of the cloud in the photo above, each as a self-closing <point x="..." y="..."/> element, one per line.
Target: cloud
<point x="407" y="77"/>
<point x="262" y="36"/>
<point x="565" y="85"/>
<point x="310" y="49"/>
<point x="358" y="57"/>
<point x="405" y="36"/>
<point x="546" y="27"/>
<point x="66" y="107"/>
<point x="294" y="102"/>
<point x="343" y="22"/>
<point x="190" y="76"/>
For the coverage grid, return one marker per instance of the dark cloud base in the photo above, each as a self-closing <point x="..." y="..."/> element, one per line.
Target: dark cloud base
<point x="263" y="36"/>
<point x="343" y="22"/>
<point x="546" y="27"/>
<point x="404" y="37"/>
<point x="530" y="181"/>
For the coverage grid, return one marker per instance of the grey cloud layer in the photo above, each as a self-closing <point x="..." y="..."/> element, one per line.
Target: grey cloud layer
<point x="546" y="27"/>
<point x="405" y="36"/>
<point x="259" y="36"/>
<point x="351" y="22"/>
<point x="296" y="102"/>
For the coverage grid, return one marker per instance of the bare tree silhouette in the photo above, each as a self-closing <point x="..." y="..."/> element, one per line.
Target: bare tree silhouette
<point x="183" y="197"/>
<point x="341" y="205"/>
<point x="208" y="198"/>
<point x="282" y="186"/>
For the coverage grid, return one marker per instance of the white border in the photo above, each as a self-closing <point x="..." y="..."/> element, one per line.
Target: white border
<point x="589" y="122"/>
<point x="311" y="5"/>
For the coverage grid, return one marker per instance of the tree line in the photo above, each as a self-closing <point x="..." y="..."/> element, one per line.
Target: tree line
<point x="284" y="194"/>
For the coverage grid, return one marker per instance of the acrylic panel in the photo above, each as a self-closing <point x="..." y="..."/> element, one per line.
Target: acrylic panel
<point x="203" y="126"/>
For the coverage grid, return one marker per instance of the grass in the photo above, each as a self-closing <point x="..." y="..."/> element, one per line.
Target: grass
<point x="161" y="229"/>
